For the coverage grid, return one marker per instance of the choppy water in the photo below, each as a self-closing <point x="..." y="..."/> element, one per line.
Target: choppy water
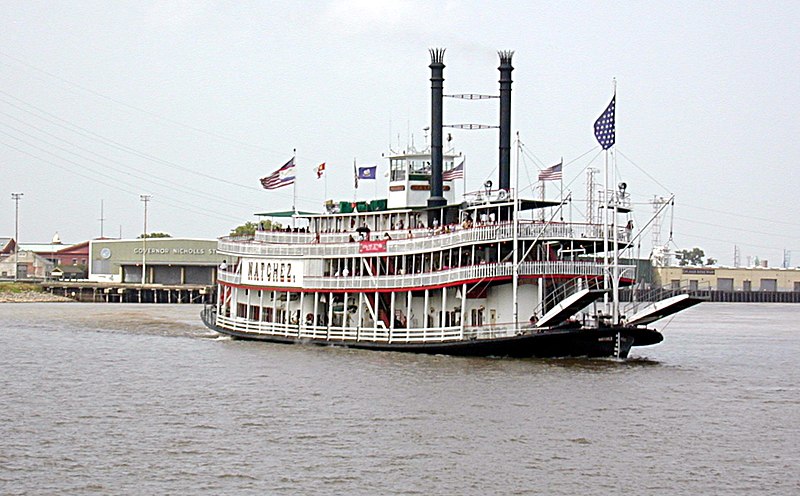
<point x="141" y="399"/>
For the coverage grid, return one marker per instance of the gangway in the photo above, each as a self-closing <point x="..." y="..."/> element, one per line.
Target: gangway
<point x="569" y="306"/>
<point x="663" y="308"/>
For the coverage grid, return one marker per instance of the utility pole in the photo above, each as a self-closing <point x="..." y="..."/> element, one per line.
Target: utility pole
<point x="16" y="197"/>
<point x="145" y="199"/>
<point x="101" y="219"/>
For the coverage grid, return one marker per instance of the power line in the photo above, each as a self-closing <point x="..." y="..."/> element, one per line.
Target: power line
<point x="132" y="107"/>
<point x="208" y="213"/>
<point x="120" y="146"/>
<point x="148" y="179"/>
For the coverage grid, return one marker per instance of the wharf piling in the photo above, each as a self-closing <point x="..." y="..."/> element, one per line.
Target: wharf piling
<point x="713" y="295"/>
<point x="102" y="292"/>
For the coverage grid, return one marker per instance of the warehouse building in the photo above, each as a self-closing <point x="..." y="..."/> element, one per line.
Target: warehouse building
<point x="167" y="261"/>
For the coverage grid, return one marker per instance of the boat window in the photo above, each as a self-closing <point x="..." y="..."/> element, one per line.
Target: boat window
<point x="398" y="169"/>
<point x="420" y="167"/>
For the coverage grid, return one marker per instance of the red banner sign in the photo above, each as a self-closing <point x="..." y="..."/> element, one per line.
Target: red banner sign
<point x="372" y="246"/>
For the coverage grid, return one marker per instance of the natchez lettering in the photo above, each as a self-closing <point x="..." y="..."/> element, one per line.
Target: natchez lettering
<point x="270" y="272"/>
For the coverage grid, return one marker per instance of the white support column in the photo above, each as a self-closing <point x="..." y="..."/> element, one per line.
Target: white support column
<point x="391" y="315"/>
<point x="344" y="311"/>
<point x="463" y="307"/>
<point x="360" y="314"/>
<point x="377" y="309"/>
<point x="425" y="310"/>
<point x="541" y="296"/>
<point x="443" y="322"/>
<point x="408" y="310"/>
<point x="330" y="315"/>
<point x="261" y="309"/>
<point x="274" y="316"/>
<point x="287" y="314"/>
<point x="314" y="312"/>
<point x="392" y="309"/>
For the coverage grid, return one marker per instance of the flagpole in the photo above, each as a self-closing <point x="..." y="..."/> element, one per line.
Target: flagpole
<point x="561" y="181"/>
<point x="463" y="177"/>
<point x="515" y="227"/>
<point x="615" y="282"/>
<point x="541" y="197"/>
<point x="294" y="186"/>
<point x="604" y="131"/>
<point x="355" y="178"/>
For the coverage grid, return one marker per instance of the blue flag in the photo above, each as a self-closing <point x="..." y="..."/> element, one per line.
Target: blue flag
<point x="604" y="126"/>
<point x="367" y="172"/>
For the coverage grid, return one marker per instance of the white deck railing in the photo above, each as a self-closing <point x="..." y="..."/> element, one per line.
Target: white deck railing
<point x="278" y="243"/>
<point x="361" y="334"/>
<point x="442" y="277"/>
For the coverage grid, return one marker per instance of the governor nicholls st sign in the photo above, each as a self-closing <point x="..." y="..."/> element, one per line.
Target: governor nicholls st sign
<point x="702" y="272"/>
<point x="272" y="272"/>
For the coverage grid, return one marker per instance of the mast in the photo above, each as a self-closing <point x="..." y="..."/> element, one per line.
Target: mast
<point x="615" y="281"/>
<point x="515" y="226"/>
<point x="604" y="131"/>
<point x="605" y="232"/>
<point x="294" y="186"/>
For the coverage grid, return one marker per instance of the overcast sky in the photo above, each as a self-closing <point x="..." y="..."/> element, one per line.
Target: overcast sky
<point x="192" y="102"/>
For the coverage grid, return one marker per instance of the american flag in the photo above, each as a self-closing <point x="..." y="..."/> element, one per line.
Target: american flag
<point x="456" y="172"/>
<point x="551" y="173"/>
<point x="281" y="177"/>
<point x="604" y="126"/>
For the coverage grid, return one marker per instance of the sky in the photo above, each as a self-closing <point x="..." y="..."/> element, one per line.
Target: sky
<point x="191" y="102"/>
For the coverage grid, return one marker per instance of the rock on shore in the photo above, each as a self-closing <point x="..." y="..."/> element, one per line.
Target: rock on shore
<point x="30" y="297"/>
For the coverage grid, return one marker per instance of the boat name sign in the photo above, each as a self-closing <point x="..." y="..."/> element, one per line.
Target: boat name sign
<point x="268" y="272"/>
<point x="378" y="246"/>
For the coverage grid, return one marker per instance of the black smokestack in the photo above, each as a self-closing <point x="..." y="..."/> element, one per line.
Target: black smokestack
<point x="437" y="86"/>
<point x="505" y="118"/>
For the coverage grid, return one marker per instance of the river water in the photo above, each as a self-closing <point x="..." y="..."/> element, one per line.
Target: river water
<point x="142" y="399"/>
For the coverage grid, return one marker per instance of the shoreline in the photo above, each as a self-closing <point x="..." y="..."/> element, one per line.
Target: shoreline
<point x="31" y="297"/>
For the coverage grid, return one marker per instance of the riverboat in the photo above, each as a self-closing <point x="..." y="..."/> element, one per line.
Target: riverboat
<point x="491" y="274"/>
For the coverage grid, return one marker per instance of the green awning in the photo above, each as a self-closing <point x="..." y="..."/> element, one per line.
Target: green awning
<point x="285" y="213"/>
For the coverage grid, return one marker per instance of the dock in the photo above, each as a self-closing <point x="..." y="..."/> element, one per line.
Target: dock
<point x="109" y="292"/>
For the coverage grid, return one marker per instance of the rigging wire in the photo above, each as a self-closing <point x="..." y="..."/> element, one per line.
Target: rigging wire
<point x="120" y="146"/>
<point x="642" y="170"/>
<point x="127" y="172"/>
<point x="208" y="213"/>
<point x="132" y="107"/>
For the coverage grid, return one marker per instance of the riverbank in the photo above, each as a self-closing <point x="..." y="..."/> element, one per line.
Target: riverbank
<point x="27" y="293"/>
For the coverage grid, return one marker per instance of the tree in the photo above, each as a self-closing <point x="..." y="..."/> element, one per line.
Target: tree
<point x="246" y="229"/>
<point x="690" y="257"/>
<point x="249" y="228"/>
<point x="711" y="261"/>
<point x="154" y="235"/>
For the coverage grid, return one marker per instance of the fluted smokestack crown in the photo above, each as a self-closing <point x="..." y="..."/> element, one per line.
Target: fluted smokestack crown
<point x="437" y="89"/>
<point x="505" y="118"/>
